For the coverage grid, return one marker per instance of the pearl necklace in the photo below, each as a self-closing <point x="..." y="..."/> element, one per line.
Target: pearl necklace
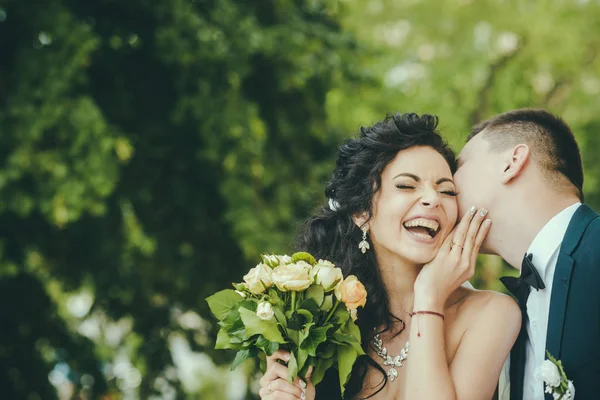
<point x="394" y="362"/>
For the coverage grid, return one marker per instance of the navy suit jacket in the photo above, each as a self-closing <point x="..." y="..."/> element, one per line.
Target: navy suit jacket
<point x="573" y="334"/>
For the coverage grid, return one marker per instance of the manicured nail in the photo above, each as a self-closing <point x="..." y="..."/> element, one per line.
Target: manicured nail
<point x="473" y="210"/>
<point x="487" y="222"/>
<point x="302" y="384"/>
<point x="483" y="212"/>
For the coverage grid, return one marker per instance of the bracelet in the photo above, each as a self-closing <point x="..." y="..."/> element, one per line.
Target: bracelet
<point x="412" y="314"/>
<point x="427" y="312"/>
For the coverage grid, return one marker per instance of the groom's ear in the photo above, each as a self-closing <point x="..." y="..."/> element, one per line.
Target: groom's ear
<point x="515" y="162"/>
<point x="361" y="219"/>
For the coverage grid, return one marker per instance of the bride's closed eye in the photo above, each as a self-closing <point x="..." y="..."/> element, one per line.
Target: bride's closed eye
<point x="449" y="193"/>
<point x="399" y="186"/>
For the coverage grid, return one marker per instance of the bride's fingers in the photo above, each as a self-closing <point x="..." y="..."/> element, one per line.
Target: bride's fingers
<point x="283" y="386"/>
<point x="278" y="355"/>
<point x="264" y="395"/>
<point x="462" y="228"/>
<point x="273" y="372"/>
<point x="474" y="228"/>
<point x="483" y="231"/>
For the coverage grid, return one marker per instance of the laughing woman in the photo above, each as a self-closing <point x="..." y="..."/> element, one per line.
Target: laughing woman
<point x="392" y="187"/>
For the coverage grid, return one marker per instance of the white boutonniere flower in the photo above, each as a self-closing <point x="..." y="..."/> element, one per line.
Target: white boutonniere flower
<point x="555" y="380"/>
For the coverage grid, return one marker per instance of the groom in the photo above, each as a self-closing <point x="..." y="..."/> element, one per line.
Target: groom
<point x="525" y="167"/>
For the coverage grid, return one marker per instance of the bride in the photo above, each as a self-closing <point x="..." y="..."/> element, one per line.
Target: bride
<point x="391" y="220"/>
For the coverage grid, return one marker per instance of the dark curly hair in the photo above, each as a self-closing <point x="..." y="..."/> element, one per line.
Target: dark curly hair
<point x="333" y="235"/>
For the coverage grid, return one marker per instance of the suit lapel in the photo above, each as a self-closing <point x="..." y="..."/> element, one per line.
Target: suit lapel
<point x="562" y="278"/>
<point x="558" y="303"/>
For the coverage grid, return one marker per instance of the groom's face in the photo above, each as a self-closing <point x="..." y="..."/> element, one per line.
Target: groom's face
<point x="477" y="175"/>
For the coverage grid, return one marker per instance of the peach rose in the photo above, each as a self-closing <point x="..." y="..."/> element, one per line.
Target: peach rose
<point x="351" y="292"/>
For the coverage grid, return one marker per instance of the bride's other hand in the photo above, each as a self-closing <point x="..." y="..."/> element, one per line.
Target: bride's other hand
<point x="274" y="384"/>
<point x="455" y="261"/>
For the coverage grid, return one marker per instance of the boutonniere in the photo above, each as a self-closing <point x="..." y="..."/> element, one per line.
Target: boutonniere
<point x="555" y="380"/>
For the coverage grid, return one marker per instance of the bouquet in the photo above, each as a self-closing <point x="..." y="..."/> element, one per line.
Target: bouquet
<point x="297" y="304"/>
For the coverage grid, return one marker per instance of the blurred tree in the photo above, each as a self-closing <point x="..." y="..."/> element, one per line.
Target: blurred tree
<point x="150" y="149"/>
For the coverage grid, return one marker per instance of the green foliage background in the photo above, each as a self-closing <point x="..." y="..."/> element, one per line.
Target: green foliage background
<point x="151" y="150"/>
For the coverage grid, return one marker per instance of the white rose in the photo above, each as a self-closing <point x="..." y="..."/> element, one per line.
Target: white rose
<point x="284" y="259"/>
<point x="327" y="275"/>
<point x="292" y="276"/>
<point x="550" y="374"/>
<point x="571" y="390"/>
<point x="265" y="311"/>
<point x="258" y="279"/>
<point x="271" y="261"/>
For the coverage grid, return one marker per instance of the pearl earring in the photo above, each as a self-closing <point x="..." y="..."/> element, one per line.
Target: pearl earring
<point x="364" y="245"/>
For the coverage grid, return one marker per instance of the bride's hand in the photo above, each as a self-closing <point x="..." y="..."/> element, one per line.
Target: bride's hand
<point x="454" y="263"/>
<point x="274" y="384"/>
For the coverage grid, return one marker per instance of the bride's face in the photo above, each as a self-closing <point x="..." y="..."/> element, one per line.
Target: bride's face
<point x="415" y="208"/>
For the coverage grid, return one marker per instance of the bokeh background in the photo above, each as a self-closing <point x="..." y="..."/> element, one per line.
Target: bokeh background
<point x="150" y="150"/>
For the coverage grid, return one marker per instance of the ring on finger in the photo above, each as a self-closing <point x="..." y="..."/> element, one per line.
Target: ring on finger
<point x="456" y="244"/>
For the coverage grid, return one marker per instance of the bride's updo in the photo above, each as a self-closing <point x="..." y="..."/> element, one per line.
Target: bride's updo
<point x="331" y="233"/>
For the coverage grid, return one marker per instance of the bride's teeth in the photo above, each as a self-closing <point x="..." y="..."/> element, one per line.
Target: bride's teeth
<point x="425" y="223"/>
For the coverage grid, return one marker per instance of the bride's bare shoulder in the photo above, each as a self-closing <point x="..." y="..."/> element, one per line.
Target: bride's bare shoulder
<point x="472" y="304"/>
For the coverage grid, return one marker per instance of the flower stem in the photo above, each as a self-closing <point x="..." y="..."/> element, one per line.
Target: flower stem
<point x="293" y="300"/>
<point x="335" y="306"/>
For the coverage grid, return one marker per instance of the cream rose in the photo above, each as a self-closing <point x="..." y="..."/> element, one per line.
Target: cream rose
<point x="351" y="292"/>
<point x="258" y="278"/>
<point x="285" y="259"/>
<point x="265" y="311"/>
<point x="327" y="275"/>
<point x="292" y="276"/>
<point x="550" y="374"/>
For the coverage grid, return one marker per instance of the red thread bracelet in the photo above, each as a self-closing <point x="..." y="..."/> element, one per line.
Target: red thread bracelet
<point x="428" y="313"/>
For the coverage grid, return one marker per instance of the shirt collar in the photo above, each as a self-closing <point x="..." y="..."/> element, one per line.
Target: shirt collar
<point x="549" y="238"/>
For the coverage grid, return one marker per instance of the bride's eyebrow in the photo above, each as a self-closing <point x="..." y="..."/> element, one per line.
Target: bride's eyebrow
<point x="417" y="179"/>
<point x="442" y="180"/>
<point x="411" y="176"/>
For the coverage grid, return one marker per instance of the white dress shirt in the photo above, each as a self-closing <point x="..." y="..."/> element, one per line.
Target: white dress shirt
<point x="545" y="248"/>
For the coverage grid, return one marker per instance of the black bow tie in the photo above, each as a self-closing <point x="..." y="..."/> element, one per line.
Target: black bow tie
<point x="529" y="278"/>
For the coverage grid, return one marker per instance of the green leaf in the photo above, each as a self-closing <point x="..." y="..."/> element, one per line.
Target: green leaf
<point x="308" y="317"/>
<point x="224" y="340"/>
<point x="316" y="293"/>
<point x="240" y="357"/>
<point x="310" y="305"/>
<point x="221" y="302"/>
<point x="348" y="339"/>
<point x="346" y="356"/>
<point x="294" y="336"/>
<point x="327" y="303"/>
<point x="315" y="337"/>
<point x="256" y="326"/>
<point x="233" y="323"/>
<point x="303" y="256"/>
<point x="267" y="346"/>
<point x="341" y="314"/>
<point x="292" y="368"/>
<point x="279" y="316"/>
<point x="302" y="357"/>
<point x="321" y="366"/>
<point x="353" y="330"/>
<point x="274" y="296"/>
<point x="326" y="351"/>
